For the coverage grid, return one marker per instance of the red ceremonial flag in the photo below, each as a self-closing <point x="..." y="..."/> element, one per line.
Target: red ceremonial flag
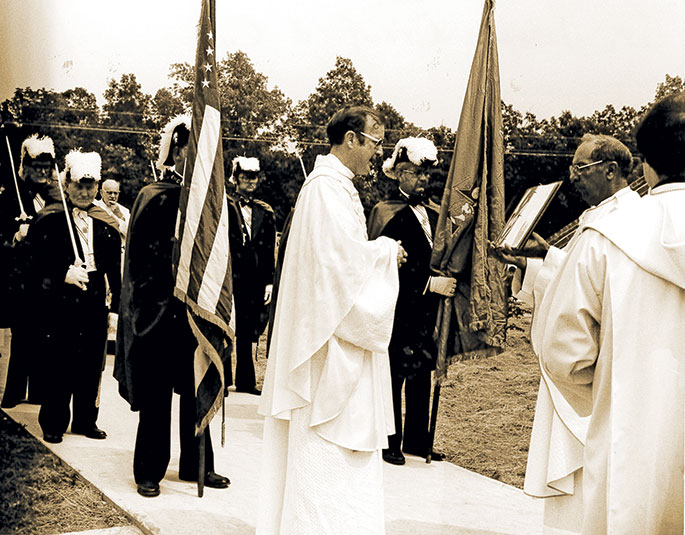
<point x="472" y="209"/>
<point x="201" y="255"/>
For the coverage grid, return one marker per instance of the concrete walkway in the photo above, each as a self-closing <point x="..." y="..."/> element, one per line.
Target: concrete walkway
<point x="435" y="499"/>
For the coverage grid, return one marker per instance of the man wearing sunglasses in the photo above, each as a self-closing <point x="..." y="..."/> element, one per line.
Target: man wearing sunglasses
<point x="327" y="393"/>
<point x="555" y="460"/>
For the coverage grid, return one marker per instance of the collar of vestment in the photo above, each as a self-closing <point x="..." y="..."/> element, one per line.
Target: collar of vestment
<point x="662" y="187"/>
<point x="332" y="161"/>
<point x="591" y="213"/>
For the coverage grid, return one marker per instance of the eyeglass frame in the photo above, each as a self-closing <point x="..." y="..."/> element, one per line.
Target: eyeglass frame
<point x="377" y="142"/>
<point x="416" y="173"/>
<point x="575" y="168"/>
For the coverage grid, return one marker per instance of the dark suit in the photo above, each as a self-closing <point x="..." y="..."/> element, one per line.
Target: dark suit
<point x="155" y="346"/>
<point x="412" y="348"/>
<point x="252" y="262"/>
<point x="16" y="299"/>
<point x="70" y="322"/>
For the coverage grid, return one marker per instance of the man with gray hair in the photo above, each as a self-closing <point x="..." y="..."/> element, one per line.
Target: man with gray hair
<point x="613" y="342"/>
<point x="599" y="169"/>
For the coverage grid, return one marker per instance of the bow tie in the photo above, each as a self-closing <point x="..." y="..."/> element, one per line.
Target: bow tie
<point x="415" y="200"/>
<point x="244" y="201"/>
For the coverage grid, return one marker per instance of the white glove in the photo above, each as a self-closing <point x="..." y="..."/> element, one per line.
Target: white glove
<point x="112" y="321"/>
<point x="78" y="276"/>
<point x="268" y="290"/>
<point x="21" y="233"/>
<point x="442" y="285"/>
<point x="401" y="254"/>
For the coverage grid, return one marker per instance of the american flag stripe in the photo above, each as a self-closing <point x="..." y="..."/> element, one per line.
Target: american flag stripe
<point x="203" y="274"/>
<point x="200" y="201"/>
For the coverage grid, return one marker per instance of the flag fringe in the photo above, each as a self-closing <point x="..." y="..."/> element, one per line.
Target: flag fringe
<point x="210" y="351"/>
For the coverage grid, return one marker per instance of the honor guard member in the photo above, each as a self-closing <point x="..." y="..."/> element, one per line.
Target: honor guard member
<point x="409" y="219"/>
<point x="252" y="232"/>
<point x="35" y="184"/>
<point x="155" y="346"/>
<point x="73" y="257"/>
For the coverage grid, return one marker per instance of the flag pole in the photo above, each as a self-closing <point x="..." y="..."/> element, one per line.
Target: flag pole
<point x="439" y="376"/>
<point x="201" y="467"/>
<point x="23" y="216"/>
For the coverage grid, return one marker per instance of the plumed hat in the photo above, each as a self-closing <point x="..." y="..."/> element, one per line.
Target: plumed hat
<point x="242" y="164"/>
<point x="416" y="150"/>
<point x="80" y="166"/>
<point x="175" y="132"/>
<point x="35" y="148"/>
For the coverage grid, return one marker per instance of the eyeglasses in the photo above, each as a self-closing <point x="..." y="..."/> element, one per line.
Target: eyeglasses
<point x="377" y="142"/>
<point x="418" y="173"/>
<point x="575" y="168"/>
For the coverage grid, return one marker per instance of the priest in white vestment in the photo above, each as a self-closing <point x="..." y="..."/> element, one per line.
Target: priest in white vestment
<point x="327" y="397"/>
<point x="555" y="456"/>
<point x="613" y="342"/>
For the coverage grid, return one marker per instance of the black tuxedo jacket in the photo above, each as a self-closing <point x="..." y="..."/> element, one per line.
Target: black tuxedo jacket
<point x="252" y="261"/>
<point x="412" y="345"/>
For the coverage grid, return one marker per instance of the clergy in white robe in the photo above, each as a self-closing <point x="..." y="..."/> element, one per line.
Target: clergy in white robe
<point x="555" y="457"/>
<point x="613" y="343"/>
<point x="327" y="397"/>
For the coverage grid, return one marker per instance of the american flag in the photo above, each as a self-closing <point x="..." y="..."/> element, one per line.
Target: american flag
<point x="202" y="257"/>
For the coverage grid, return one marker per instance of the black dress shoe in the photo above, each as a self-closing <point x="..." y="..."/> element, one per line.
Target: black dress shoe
<point x="10" y="403"/>
<point x="53" y="439"/>
<point x="254" y="391"/>
<point x="215" y="481"/>
<point x="393" y="457"/>
<point x="212" y="480"/>
<point x="90" y="432"/>
<point x="149" y="489"/>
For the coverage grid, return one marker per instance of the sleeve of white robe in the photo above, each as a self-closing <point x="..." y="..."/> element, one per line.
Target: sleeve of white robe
<point x="335" y="282"/>
<point x="571" y="309"/>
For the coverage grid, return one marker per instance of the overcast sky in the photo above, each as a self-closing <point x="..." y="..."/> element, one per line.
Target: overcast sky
<point x="555" y="55"/>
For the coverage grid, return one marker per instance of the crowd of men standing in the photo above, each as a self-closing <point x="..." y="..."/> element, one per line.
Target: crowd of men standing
<point x="353" y="322"/>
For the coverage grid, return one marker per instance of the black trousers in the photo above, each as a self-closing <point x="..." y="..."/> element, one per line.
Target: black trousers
<point x="153" y="441"/>
<point x="24" y="368"/>
<point x="413" y="437"/>
<point x="73" y="363"/>
<point x="245" y="380"/>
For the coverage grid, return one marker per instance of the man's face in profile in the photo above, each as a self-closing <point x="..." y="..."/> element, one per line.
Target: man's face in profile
<point x="369" y="143"/>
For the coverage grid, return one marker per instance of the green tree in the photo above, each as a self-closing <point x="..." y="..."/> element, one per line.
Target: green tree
<point x="130" y="144"/>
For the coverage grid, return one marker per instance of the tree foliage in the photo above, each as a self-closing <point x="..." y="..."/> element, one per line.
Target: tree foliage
<point x="259" y="120"/>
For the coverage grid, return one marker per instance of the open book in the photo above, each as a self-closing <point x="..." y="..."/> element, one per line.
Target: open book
<point x="526" y="215"/>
